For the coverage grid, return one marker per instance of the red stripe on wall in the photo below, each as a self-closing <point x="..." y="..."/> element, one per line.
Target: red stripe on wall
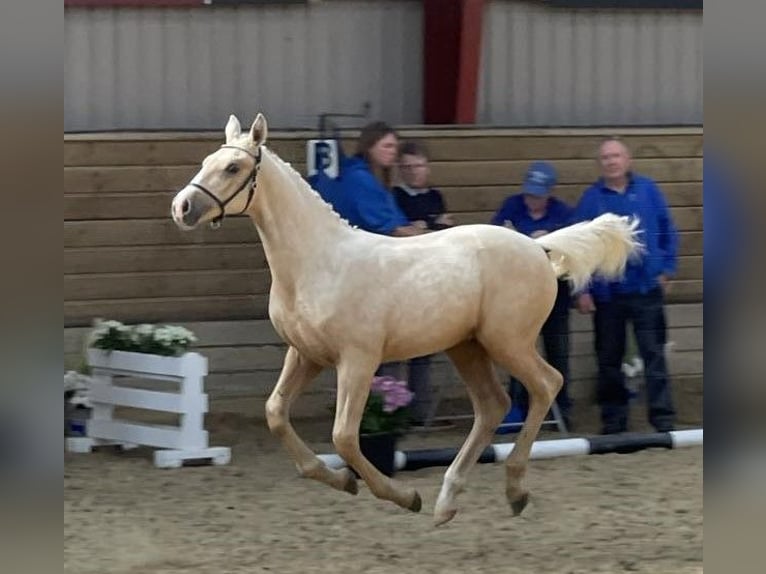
<point x="470" y="56"/>
<point x="452" y="51"/>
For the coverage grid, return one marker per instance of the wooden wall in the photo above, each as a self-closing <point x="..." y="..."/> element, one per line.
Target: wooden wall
<point x="125" y="259"/>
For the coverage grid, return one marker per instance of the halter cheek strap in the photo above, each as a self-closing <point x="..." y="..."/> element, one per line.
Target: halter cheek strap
<point x="251" y="180"/>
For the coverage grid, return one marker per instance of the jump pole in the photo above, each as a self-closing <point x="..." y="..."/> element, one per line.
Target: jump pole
<point x="619" y="443"/>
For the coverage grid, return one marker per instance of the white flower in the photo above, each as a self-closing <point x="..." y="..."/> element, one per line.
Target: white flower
<point x="170" y="338"/>
<point x="143" y="330"/>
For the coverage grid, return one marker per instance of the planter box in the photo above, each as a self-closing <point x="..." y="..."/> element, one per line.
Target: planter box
<point x="187" y="441"/>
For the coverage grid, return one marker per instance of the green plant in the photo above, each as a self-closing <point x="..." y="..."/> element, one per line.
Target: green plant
<point x="387" y="407"/>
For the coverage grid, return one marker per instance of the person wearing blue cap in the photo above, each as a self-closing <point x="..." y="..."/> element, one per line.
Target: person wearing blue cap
<point x="535" y="212"/>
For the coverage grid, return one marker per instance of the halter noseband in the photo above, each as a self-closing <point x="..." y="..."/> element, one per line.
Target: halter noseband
<point x="216" y="223"/>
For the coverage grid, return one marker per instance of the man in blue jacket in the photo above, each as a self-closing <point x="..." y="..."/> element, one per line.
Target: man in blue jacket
<point x="638" y="297"/>
<point x="534" y="212"/>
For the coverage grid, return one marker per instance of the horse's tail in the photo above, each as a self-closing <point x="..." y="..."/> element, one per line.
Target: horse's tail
<point x="602" y="246"/>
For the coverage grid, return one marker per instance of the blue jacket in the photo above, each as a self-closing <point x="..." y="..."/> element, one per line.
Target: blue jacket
<point x="643" y="199"/>
<point x="558" y="215"/>
<point x="357" y="196"/>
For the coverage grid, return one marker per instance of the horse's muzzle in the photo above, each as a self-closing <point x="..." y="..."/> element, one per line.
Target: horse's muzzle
<point x="188" y="208"/>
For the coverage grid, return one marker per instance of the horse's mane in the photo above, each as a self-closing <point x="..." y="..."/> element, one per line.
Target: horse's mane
<point x="303" y="185"/>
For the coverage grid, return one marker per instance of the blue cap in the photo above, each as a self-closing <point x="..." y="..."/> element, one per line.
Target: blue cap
<point x="540" y="179"/>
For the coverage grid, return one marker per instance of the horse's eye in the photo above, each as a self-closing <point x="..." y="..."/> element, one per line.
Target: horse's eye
<point x="232" y="168"/>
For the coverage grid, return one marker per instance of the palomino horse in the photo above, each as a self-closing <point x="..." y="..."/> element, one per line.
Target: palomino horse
<point x="344" y="298"/>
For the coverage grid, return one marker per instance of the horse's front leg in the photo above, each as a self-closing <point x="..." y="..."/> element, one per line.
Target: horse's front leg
<point x="354" y="381"/>
<point x="297" y="373"/>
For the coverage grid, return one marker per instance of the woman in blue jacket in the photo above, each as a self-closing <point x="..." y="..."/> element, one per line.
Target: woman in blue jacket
<point x="361" y="193"/>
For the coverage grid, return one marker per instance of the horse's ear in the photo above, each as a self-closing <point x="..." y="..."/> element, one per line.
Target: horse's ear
<point x="233" y="129"/>
<point x="259" y="131"/>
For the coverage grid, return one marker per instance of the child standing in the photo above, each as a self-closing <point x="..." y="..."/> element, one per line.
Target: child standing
<point x="425" y="209"/>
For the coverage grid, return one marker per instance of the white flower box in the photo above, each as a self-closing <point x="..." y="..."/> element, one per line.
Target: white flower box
<point x="187" y="441"/>
<point x="135" y="364"/>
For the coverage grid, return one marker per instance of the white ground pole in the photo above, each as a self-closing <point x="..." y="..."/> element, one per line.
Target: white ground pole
<point x="544" y="449"/>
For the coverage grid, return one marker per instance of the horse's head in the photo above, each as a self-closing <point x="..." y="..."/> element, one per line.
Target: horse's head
<point x="226" y="183"/>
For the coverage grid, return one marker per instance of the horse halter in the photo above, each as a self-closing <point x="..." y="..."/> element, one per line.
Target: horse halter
<point x="216" y="223"/>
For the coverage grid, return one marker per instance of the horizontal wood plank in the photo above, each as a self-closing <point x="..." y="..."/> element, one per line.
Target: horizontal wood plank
<point x="549" y="148"/>
<point x="179" y="151"/>
<point x="685" y="291"/>
<point x="214" y="308"/>
<point x="457" y="173"/>
<point x="237" y="333"/>
<point x="222" y="339"/>
<point x="124" y="259"/>
<point x="156" y="204"/>
<point x="110" y="179"/>
<point x="185" y="149"/>
<point x="690" y="243"/>
<point x="690" y="267"/>
<point x="240" y="230"/>
<point x="136" y="232"/>
<point x="206" y="282"/>
<point x="197" y="283"/>
<point x="489" y="198"/>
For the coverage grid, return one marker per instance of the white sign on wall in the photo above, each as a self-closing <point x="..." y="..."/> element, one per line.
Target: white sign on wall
<point x="322" y="155"/>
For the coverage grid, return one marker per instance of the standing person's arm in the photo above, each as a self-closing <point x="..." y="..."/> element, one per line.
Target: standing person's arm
<point x="585" y="210"/>
<point x="667" y="240"/>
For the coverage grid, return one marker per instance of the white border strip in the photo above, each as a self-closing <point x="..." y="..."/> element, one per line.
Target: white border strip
<point x="683" y="438"/>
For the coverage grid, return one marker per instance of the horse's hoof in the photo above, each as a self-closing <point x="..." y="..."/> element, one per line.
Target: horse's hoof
<point x="518" y="505"/>
<point x="417" y="503"/>
<point x="444" y="517"/>
<point x="350" y="485"/>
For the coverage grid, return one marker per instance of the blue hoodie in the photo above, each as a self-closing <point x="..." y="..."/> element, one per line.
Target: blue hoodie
<point x="557" y="215"/>
<point x="357" y="196"/>
<point x="643" y="199"/>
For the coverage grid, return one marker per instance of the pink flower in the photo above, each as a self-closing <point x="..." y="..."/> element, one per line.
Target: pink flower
<point x="395" y="393"/>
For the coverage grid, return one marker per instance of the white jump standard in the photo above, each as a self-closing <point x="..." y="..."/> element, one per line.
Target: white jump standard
<point x="188" y="441"/>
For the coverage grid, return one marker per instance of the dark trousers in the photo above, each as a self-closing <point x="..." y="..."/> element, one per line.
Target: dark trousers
<point x="555" y="333"/>
<point x="647" y="314"/>
<point x="418" y="381"/>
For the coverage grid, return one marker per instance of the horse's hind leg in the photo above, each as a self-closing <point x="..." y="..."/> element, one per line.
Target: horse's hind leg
<point x="542" y="383"/>
<point x="297" y="373"/>
<point x="490" y="404"/>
